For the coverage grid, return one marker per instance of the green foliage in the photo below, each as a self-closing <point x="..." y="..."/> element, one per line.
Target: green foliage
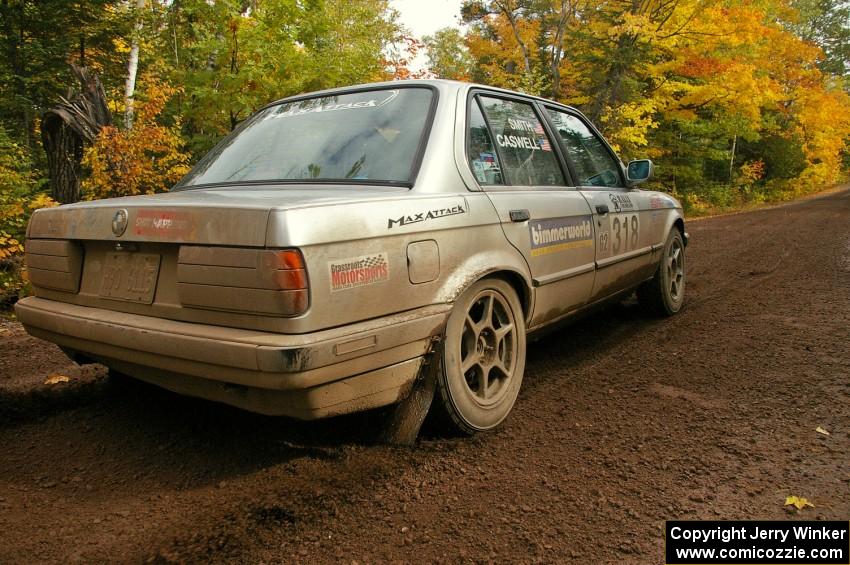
<point x="232" y="57"/>
<point x="38" y="39"/>
<point x="447" y="54"/>
<point x="19" y="196"/>
<point x="827" y="23"/>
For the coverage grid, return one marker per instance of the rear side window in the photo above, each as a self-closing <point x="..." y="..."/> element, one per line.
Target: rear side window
<point x="594" y="165"/>
<point x="482" y="155"/>
<point x="524" y="148"/>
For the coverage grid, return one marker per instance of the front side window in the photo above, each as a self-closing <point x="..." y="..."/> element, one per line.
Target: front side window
<point x="371" y="136"/>
<point x="524" y="148"/>
<point x="593" y="163"/>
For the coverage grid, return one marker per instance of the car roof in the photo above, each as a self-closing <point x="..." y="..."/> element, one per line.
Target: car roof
<point x="440" y="84"/>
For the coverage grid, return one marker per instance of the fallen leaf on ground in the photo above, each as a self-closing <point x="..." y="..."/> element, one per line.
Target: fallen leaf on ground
<point x="797" y="501"/>
<point x="820" y="430"/>
<point x="56" y="379"/>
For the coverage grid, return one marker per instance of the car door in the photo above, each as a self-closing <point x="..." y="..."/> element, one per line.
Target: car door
<point x="624" y="228"/>
<point x="514" y="160"/>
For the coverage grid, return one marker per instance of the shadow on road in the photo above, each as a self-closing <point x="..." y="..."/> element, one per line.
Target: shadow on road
<point x="148" y="431"/>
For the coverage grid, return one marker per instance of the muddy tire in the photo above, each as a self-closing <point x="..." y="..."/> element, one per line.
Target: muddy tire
<point x="664" y="294"/>
<point x="482" y="357"/>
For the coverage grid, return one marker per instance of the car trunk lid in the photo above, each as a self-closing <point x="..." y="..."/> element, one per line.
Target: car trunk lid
<point x="180" y="255"/>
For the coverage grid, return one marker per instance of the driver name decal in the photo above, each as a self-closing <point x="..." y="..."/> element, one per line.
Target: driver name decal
<point x="559" y="234"/>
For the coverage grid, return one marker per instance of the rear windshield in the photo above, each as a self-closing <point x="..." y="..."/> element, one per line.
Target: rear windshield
<point x="371" y="136"/>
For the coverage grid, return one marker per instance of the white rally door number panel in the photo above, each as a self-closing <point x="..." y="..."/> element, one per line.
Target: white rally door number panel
<point x="624" y="233"/>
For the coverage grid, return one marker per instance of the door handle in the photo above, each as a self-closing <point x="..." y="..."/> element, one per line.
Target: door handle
<point x="601" y="209"/>
<point x="520" y="216"/>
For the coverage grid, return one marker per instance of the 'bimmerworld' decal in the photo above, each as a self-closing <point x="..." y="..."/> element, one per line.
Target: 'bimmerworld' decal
<point x="559" y="234"/>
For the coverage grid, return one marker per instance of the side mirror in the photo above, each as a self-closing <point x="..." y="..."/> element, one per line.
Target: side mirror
<point x="639" y="171"/>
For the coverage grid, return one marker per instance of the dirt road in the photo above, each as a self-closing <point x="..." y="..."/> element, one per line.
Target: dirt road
<point x="623" y="422"/>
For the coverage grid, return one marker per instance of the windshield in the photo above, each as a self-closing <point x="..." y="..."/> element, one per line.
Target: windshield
<point x="370" y="136"/>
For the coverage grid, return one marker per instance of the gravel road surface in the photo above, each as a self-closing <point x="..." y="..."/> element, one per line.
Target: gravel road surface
<point x="623" y="422"/>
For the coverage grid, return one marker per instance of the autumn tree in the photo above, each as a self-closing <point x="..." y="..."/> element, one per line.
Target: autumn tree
<point x="233" y="56"/>
<point x="707" y="89"/>
<point x="144" y="159"/>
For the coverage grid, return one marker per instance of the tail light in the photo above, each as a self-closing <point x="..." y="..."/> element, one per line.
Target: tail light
<point x="54" y="263"/>
<point x="261" y="281"/>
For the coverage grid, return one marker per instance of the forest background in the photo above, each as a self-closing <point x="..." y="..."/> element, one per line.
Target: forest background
<point x="738" y="102"/>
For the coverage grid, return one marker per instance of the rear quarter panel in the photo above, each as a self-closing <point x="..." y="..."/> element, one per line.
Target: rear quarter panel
<point x="463" y="227"/>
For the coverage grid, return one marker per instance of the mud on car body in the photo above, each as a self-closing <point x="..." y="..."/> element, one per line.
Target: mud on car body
<point x="316" y="258"/>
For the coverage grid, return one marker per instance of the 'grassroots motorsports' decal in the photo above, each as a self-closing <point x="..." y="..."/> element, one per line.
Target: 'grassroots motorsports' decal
<point x="359" y="271"/>
<point x="559" y="234"/>
<point x="423" y="216"/>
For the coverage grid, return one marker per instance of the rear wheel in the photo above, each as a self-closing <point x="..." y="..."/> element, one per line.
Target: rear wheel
<point x="665" y="293"/>
<point x="483" y="357"/>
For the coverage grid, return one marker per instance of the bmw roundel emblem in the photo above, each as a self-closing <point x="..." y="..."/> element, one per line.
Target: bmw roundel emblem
<point x="119" y="222"/>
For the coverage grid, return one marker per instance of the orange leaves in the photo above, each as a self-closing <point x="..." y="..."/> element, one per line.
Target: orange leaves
<point x="751" y="172"/>
<point x="9" y="245"/>
<point x="404" y="51"/>
<point x="146" y="159"/>
<point x="701" y="66"/>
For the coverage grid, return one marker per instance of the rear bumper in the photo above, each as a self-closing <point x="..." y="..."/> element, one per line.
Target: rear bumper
<point x="308" y="376"/>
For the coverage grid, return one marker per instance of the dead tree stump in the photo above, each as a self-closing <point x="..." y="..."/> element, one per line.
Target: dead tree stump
<point x="67" y="128"/>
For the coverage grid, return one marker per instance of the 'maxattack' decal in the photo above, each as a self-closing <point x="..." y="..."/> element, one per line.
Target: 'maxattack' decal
<point x="559" y="234"/>
<point x="423" y="216"/>
<point x="359" y="271"/>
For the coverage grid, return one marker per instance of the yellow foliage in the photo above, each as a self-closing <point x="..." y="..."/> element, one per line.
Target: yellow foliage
<point x="146" y="159"/>
<point x="15" y="215"/>
<point x="630" y="123"/>
<point x="9" y="245"/>
<point x="751" y="172"/>
<point x="41" y="201"/>
<point x="798" y="502"/>
<point x="494" y="55"/>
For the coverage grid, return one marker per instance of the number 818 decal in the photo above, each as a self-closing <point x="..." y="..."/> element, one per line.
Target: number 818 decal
<point x="624" y="233"/>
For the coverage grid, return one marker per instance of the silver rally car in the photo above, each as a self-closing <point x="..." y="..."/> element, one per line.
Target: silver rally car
<point x="318" y="258"/>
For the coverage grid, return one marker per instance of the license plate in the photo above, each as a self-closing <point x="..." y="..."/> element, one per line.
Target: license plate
<point x="130" y="277"/>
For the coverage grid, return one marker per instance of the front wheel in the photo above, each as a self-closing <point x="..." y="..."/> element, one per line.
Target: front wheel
<point x="483" y="357"/>
<point x="664" y="294"/>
